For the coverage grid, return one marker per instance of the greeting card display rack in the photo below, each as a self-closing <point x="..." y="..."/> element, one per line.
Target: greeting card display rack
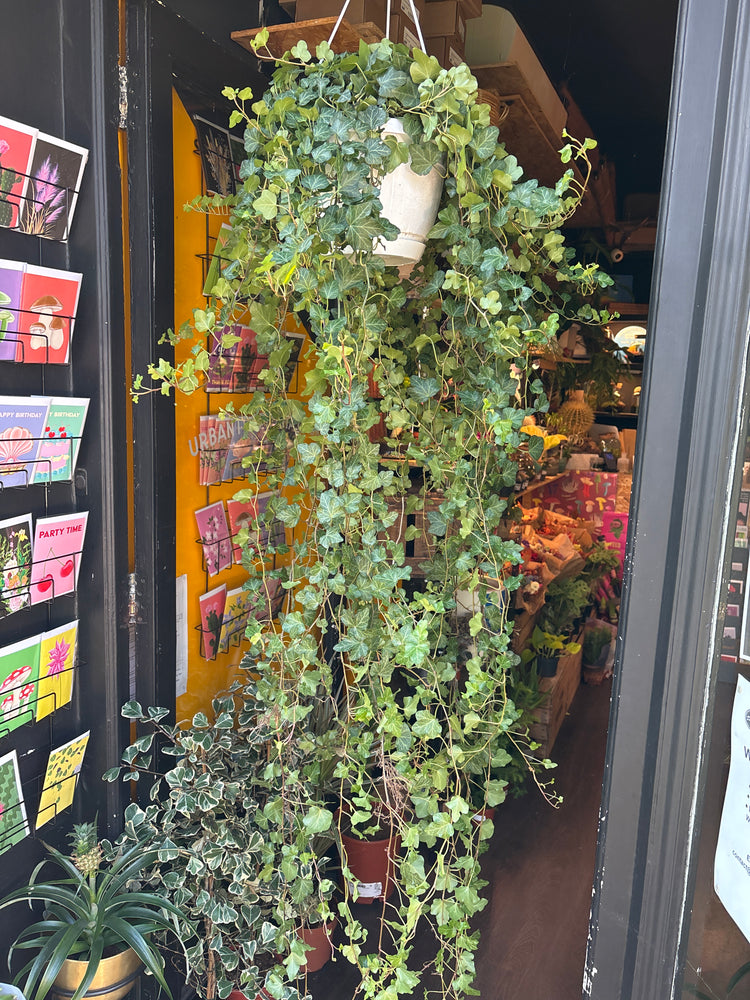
<point x="22" y="824"/>
<point x="35" y="213"/>
<point x="26" y="710"/>
<point x="39" y="471"/>
<point x="63" y="458"/>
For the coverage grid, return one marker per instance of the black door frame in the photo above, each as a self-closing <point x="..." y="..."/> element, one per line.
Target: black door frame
<point x="684" y="488"/>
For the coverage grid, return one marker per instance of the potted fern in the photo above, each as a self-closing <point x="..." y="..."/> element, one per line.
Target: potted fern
<point x="99" y="926"/>
<point x="451" y="349"/>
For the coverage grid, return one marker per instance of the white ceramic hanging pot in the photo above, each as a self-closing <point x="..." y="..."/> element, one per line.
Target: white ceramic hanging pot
<point x="410" y="201"/>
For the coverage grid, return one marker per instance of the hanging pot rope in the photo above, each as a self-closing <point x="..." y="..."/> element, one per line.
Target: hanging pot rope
<point x="340" y="18"/>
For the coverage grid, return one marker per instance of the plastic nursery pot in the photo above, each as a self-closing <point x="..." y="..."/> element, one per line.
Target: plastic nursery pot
<point x="373" y="865"/>
<point x="546" y="666"/>
<point x="319" y="938"/>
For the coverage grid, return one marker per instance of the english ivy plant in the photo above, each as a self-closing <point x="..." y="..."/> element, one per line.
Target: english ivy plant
<point x="417" y="714"/>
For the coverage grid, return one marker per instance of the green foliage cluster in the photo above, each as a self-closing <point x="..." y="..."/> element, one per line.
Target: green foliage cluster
<point x="414" y="718"/>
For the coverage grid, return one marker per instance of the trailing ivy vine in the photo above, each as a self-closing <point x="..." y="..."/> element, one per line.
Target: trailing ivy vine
<point x="422" y="723"/>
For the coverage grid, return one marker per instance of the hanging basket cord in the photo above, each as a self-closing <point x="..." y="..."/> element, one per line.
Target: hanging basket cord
<point x="387" y="21"/>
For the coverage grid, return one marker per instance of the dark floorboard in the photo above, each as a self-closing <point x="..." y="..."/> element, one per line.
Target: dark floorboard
<point x="540" y="866"/>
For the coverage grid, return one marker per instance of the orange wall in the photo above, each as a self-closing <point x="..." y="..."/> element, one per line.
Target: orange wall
<point x="194" y="235"/>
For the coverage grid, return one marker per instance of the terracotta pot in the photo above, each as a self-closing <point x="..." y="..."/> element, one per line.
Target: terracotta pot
<point x="320" y="939"/>
<point x="373" y="864"/>
<point x="482" y="815"/>
<point x="114" y="978"/>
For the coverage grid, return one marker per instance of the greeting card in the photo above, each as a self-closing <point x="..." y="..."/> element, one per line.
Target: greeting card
<point x="19" y="672"/>
<point x="58" y="544"/>
<point x="214" y="438"/>
<point x="56" y="173"/>
<point x="11" y="280"/>
<point x="241" y="515"/>
<point x="14" y="825"/>
<point x="22" y="421"/>
<point x="221" y="359"/>
<point x="49" y="301"/>
<point x="58" y="451"/>
<point x="15" y="563"/>
<point x="216" y="157"/>
<point x="248" y="362"/>
<point x="212" y="614"/>
<point x="237" y="149"/>
<point x="265" y="602"/>
<point x="16" y="148"/>
<point x="60" y="779"/>
<point x="248" y="449"/>
<point x="214" y="535"/>
<point x="234" y="620"/>
<point x="217" y="260"/>
<point x="57" y="654"/>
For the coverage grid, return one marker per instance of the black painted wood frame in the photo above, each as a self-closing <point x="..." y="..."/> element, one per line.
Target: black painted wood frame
<point x="686" y="482"/>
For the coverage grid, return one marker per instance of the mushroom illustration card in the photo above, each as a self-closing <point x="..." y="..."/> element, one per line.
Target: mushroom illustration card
<point x="214" y="535"/>
<point x="58" y="544"/>
<point x="15" y="563"/>
<point x="234" y="620"/>
<point x="51" y="195"/>
<point x="49" y="300"/>
<point x="212" y="614"/>
<point x="11" y="279"/>
<point x="57" y="653"/>
<point x="14" y="825"/>
<point x="22" y="422"/>
<point x="63" y="767"/>
<point x="19" y="673"/>
<point x="16" y="149"/>
<point x="61" y="440"/>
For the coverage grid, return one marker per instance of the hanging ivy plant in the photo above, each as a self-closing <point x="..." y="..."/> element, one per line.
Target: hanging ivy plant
<point x="422" y="703"/>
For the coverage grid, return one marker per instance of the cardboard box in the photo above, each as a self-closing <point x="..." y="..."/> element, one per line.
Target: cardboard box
<point x="471" y="8"/>
<point x="403" y="7"/>
<point x="448" y="51"/>
<point x="358" y="11"/>
<point x="444" y="18"/>
<point x="404" y="30"/>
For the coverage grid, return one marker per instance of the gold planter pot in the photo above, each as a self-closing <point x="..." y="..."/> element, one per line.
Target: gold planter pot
<point x="114" y="978"/>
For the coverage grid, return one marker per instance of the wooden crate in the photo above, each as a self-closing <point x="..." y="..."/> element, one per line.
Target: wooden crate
<point x="560" y="691"/>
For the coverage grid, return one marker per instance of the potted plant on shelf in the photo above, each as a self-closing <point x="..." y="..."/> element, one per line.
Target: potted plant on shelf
<point x="545" y="649"/>
<point x="451" y="349"/>
<point x="99" y="925"/>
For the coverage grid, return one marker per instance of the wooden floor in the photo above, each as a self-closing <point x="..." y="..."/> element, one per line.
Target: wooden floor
<point x="540" y="867"/>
